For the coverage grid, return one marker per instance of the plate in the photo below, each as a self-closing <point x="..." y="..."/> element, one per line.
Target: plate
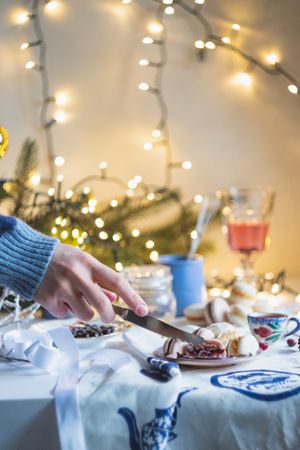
<point x="205" y="362"/>
<point x="48" y="325"/>
<point x="146" y="343"/>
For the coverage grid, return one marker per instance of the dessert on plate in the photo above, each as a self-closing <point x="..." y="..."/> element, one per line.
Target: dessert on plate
<point x="220" y="341"/>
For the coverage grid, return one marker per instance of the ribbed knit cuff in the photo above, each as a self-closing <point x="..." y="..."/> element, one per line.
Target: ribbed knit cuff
<point x="24" y="258"/>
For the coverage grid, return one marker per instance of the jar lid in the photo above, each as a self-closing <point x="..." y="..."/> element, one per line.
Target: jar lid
<point x="148" y="275"/>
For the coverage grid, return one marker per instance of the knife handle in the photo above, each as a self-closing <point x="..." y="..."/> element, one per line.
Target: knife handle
<point x="169" y="367"/>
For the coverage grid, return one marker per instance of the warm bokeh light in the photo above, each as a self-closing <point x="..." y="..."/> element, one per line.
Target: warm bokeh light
<point x="30" y="65"/>
<point x="114" y="203"/>
<point x="199" y="44"/>
<point x="69" y="194"/>
<point x="243" y="79"/>
<point x="186" y="165"/>
<point x="86" y="190"/>
<point x="52" y="6"/>
<point x="168" y="2"/>
<point x="24" y="46"/>
<point x="34" y="179"/>
<point x="60" y="178"/>
<point x="200" y="2"/>
<point x="21" y="17"/>
<point x="59" y="161"/>
<point x="103" y="165"/>
<point x="135" y="233"/>
<point x="144" y="62"/>
<point x="61" y="98"/>
<point x="147" y="40"/>
<point x="293" y="89"/>
<point x="103" y="235"/>
<point x="272" y="58"/>
<point x="60" y="116"/>
<point x="51" y="191"/>
<point x="210" y="45"/>
<point x="99" y="222"/>
<point x="169" y="10"/>
<point x="156" y="133"/>
<point x="149" y="244"/>
<point x="119" y="266"/>
<point x="236" y="27"/>
<point x="155" y="27"/>
<point x="150" y="196"/>
<point x="154" y="256"/>
<point x="226" y="40"/>
<point x="198" y="198"/>
<point x="194" y="234"/>
<point x="144" y="86"/>
<point x="126" y="2"/>
<point x="148" y="146"/>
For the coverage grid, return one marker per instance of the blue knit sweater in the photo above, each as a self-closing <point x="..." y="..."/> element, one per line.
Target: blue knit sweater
<point x="24" y="256"/>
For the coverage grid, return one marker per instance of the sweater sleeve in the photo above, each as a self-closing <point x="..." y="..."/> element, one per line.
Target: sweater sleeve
<point x="24" y="256"/>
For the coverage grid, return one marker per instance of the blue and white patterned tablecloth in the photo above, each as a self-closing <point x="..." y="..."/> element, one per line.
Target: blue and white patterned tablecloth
<point x="254" y="406"/>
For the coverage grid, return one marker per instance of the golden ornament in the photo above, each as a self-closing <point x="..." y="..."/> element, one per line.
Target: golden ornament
<point x="4" y="141"/>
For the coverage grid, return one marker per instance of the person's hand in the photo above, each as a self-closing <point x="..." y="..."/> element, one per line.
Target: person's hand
<point x="76" y="281"/>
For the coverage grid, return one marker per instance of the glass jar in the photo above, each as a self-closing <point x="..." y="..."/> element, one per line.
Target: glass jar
<point x="153" y="282"/>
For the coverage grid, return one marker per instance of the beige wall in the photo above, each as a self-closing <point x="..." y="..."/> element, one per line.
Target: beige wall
<point x="233" y="136"/>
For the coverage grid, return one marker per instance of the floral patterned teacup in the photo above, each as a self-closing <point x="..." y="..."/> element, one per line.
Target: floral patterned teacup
<point x="269" y="327"/>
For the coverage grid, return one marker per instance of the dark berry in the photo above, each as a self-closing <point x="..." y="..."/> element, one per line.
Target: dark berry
<point x="291" y="342"/>
<point x="263" y="346"/>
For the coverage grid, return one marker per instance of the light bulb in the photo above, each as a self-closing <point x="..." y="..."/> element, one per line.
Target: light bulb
<point x="198" y="198"/>
<point x="54" y="230"/>
<point x="200" y="2"/>
<point x="92" y="208"/>
<point x="149" y="244"/>
<point x="147" y="40"/>
<point x="75" y="233"/>
<point x="138" y="179"/>
<point x="144" y="86"/>
<point x="226" y="40"/>
<point x="51" y="191"/>
<point x="24" y="46"/>
<point x="155" y="27"/>
<point x="186" y="165"/>
<point x="156" y="133"/>
<point x="148" y="146"/>
<point x="169" y="10"/>
<point x="272" y="59"/>
<point x="132" y="184"/>
<point x="114" y="203"/>
<point x="293" y="89"/>
<point x="61" y="98"/>
<point x="126" y="2"/>
<point x="119" y="266"/>
<point x="85" y="210"/>
<point x="22" y="17"/>
<point x="103" y="235"/>
<point x="168" y="2"/>
<point x="35" y="179"/>
<point x="103" y="165"/>
<point x="69" y="194"/>
<point x="84" y="234"/>
<point x="64" y="222"/>
<point x="80" y="240"/>
<point x="59" y="161"/>
<point x="135" y="233"/>
<point x="117" y="237"/>
<point x="60" y="116"/>
<point x="243" y="79"/>
<point x="144" y="62"/>
<point x="64" y="234"/>
<point x="52" y="6"/>
<point x="92" y="202"/>
<point x="154" y="256"/>
<point x="86" y="190"/>
<point x="199" y="44"/>
<point x="210" y="45"/>
<point x="60" y="178"/>
<point x="58" y="220"/>
<point x="236" y="27"/>
<point x="30" y="65"/>
<point x="99" y="222"/>
<point x="194" y="234"/>
<point x="150" y="196"/>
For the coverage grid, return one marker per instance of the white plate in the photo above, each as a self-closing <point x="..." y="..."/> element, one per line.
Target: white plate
<point x="205" y="362"/>
<point x="47" y="325"/>
<point x="146" y="343"/>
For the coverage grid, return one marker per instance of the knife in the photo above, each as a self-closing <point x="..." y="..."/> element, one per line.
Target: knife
<point x="157" y="326"/>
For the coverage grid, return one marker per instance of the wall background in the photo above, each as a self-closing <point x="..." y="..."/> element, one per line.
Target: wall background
<point x="233" y="136"/>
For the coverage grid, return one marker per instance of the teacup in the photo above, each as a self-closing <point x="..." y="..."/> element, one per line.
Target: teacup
<point x="270" y="327"/>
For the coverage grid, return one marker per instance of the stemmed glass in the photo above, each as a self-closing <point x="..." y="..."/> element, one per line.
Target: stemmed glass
<point x="246" y="214"/>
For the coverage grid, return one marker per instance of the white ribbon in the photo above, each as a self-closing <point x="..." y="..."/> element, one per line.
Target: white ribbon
<point x="57" y="352"/>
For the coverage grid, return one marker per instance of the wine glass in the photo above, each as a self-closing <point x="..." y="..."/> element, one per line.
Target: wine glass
<point x="246" y="214"/>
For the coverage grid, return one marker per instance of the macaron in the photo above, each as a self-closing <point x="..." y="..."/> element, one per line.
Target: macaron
<point x="204" y="332"/>
<point x="243" y="346"/>
<point x="216" y="310"/>
<point x="194" y="313"/>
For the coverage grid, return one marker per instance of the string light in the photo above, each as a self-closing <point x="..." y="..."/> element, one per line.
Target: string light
<point x="58" y="220"/>
<point x="30" y="65"/>
<point x="52" y="6"/>
<point x="60" y="178"/>
<point x="84" y="235"/>
<point x="148" y="146"/>
<point x="169" y="10"/>
<point x="135" y="233"/>
<point x="117" y="237"/>
<point x="103" y="165"/>
<point x="126" y="2"/>
<point x="243" y="79"/>
<point x="85" y="210"/>
<point x="132" y="184"/>
<point x="51" y="192"/>
<point x="59" y="116"/>
<point x="236" y="27"/>
<point x="99" y="222"/>
<point x="149" y="244"/>
<point x="92" y="202"/>
<point x="198" y="199"/>
<point x="69" y="194"/>
<point x="144" y="62"/>
<point x="194" y="234"/>
<point x="138" y="179"/>
<point x="210" y="45"/>
<point x="24" y="46"/>
<point x="75" y="233"/>
<point x="272" y="59"/>
<point x="119" y="266"/>
<point x="114" y="203"/>
<point x="22" y="17"/>
<point x="59" y="161"/>
<point x="150" y="196"/>
<point x="54" y="230"/>
<point x="156" y="133"/>
<point x="129" y="193"/>
<point x="35" y="179"/>
<point x="199" y="44"/>
<point x="293" y="89"/>
<point x="155" y="27"/>
<point x="61" y="98"/>
<point x="226" y="40"/>
<point x="168" y="2"/>
<point x="86" y="190"/>
<point x="186" y="165"/>
<point x="144" y="86"/>
<point x="64" y="222"/>
<point x="103" y="235"/>
<point x="200" y="2"/>
<point x="147" y="40"/>
<point x="80" y="240"/>
<point x="154" y="256"/>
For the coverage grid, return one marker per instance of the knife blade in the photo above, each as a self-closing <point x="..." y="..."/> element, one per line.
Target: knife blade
<point x="157" y="326"/>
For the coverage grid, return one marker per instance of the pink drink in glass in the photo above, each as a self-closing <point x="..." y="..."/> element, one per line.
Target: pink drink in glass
<point x="247" y="237"/>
